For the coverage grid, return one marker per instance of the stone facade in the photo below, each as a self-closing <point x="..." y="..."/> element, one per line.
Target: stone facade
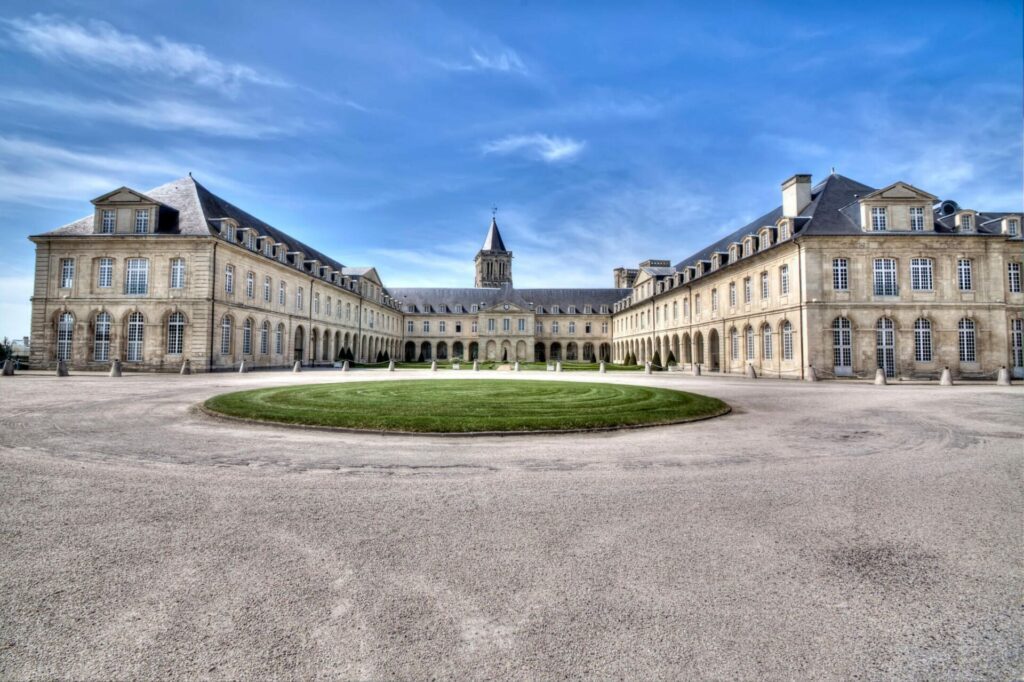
<point x="840" y="277"/>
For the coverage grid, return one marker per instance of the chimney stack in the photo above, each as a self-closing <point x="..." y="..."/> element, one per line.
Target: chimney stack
<point x="796" y="194"/>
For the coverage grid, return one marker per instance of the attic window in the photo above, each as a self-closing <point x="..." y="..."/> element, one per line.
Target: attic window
<point x="604" y="310"/>
<point x="554" y="310"/>
<point x="879" y="219"/>
<point x="966" y="222"/>
<point x="587" y="310"/>
<point x="474" y="308"/>
<point x="1012" y="227"/>
<point x="572" y="310"/>
<point x="784" y="230"/>
<point x="141" y="220"/>
<point x="108" y="221"/>
<point x="748" y="246"/>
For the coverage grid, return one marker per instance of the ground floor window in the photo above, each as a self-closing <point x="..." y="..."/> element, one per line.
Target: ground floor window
<point x="922" y="340"/>
<point x="101" y="342"/>
<point x="65" y="336"/>
<point x="787" y="340"/>
<point x="175" y="333"/>
<point x="135" y="332"/>
<point x="842" y="342"/>
<point x="968" y="345"/>
<point x="1017" y="342"/>
<point x="885" y="338"/>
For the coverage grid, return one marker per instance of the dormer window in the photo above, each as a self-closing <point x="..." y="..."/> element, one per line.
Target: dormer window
<point x="604" y="310"/>
<point x="108" y="219"/>
<point x="572" y="310"/>
<point x="748" y="247"/>
<point x="1012" y="227"/>
<point x="916" y="219"/>
<point x="784" y="231"/>
<point x="587" y="310"/>
<point x="554" y="310"/>
<point x="879" y="219"/>
<point x="966" y="222"/>
<point x="141" y="221"/>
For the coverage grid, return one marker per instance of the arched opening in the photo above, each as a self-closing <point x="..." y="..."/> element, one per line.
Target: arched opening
<point x="571" y="351"/>
<point x="506" y="351"/>
<point x="314" y="344"/>
<point x="687" y="349"/>
<point x="842" y="346"/>
<point x="474" y="350"/>
<point x="410" y="351"/>
<point x="713" y="350"/>
<point x="491" y="351"/>
<point x="442" y="350"/>
<point x="426" y="352"/>
<point x="588" y="352"/>
<point x="457" y="350"/>
<point x="605" y="352"/>
<point x="538" y="353"/>
<point x="521" y="351"/>
<point x="698" y="342"/>
<point x="556" y="351"/>
<point x="299" y="340"/>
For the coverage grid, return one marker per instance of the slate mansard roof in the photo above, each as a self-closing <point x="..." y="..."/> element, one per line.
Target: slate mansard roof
<point x="434" y="300"/>
<point x="834" y="210"/>
<point x="198" y="213"/>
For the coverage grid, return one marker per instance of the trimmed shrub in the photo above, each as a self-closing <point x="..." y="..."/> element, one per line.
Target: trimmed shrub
<point x="656" y="360"/>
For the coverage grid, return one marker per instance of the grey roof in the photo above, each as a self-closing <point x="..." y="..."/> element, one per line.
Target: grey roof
<point x="431" y="299"/>
<point x="493" y="242"/>
<point x="198" y="210"/>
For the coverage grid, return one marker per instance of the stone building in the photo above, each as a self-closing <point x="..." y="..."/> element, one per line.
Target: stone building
<point x="841" y="276"/>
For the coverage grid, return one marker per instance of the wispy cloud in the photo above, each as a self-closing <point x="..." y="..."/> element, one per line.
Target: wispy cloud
<point x="16" y="306"/>
<point x="153" y="114"/>
<point x="100" y="45"/>
<point x="503" y="61"/>
<point x="538" y="146"/>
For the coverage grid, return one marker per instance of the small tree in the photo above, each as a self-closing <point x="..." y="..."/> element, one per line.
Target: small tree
<point x="387" y="357"/>
<point x="630" y="358"/>
<point x="671" y="358"/>
<point x="656" y="360"/>
<point x="421" y="358"/>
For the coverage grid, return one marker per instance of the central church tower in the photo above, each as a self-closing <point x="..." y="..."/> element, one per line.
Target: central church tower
<point x="493" y="261"/>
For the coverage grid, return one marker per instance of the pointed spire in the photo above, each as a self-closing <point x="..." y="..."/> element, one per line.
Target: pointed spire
<point x="493" y="241"/>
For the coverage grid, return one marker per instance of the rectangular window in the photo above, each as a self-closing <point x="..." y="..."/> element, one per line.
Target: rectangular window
<point x="229" y="279"/>
<point x="522" y="324"/>
<point x="67" y="273"/>
<point x="136" y="276"/>
<point x="696" y="304"/>
<point x="1013" y="271"/>
<point x="572" y="327"/>
<point x="298" y="298"/>
<point x="966" y="222"/>
<point x="426" y="326"/>
<point x="764" y="285"/>
<point x="506" y="325"/>
<point x="538" y="329"/>
<point x="281" y="294"/>
<point x="1012" y="227"/>
<point x="491" y="325"/>
<point x="109" y="220"/>
<point x="442" y="326"/>
<point x="840" y="274"/>
<point x="474" y="308"/>
<point x="410" y="327"/>
<point x="250" y="285"/>
<point x="105" y="274"/>
<point x="473" y="327"/>
<point x="748" y="293"/>
<point x="784" y="280"/>
<point x="587" y="328"/>
<point x="458" y="327"/>
<point x="879" y="219"/>
<point x="714" y="300"/>
<point x="554" y="327"/>
<point x="968" y="345"/>
<point x="604" y="327"/>
<point x="917" y="219"/>
<point x="732" y="294"/>
<point x="266" y="289"/>
<point x="141" y="220"/>
<point x="177" y="273"/>
<point x="964" y="277"/>
<point x="921" y="274"/>
<point x="885" y="277"/>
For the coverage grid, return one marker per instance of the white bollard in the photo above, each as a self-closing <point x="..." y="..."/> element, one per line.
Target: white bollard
<point x="391" y="365"/>
<point x="241" y="367"/>
<point x="476" y="366"/>
<point x="647" y="368"/>
<point x="558" y="366"/>
<point x="696" y="370"/>
<point x="62" y="368"/>
<point x="516" y="368"/>
<point x="751" y="372"/>
<point x="947" y="377"/>
<point x="8" y="368"/>
<point x="880" y="377"/>
<point x="811" y="374"/>
<point x="297" y="367"/>
<point x="115" y="368"/>
<point x="344" y="367"/>
<point x="602" y="369"/>
<point x="433" y="365"/>
<point x="1003" y="377"/>
<point x="186" y="367"/>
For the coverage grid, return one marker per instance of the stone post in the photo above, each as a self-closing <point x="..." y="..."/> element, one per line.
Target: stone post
<point x="433" y="365"/>
<point x="696" y="370"/>
<point x="811" y="374"/>
<point x="241" y="367"/>
<point x="297" y="367"/>
<point x="115" y="368"/>
<point x="345" y="366"/>
<point x="62" y="368"/>
<point x="947" y="378"/>
<point x="880" y="377"/>
<point x="476" y="366"/>
<point x="1003" y="377"/>
<point x="391" y="365"/>
<point x="8" y="368"/>
<point x="516" y="368"/>
<point x="186" y="367"/>
<point x="558" y="366"/>
<point x="647" y="368"/>
<point x="751" y="372"/>
<point x="602" y="369"/>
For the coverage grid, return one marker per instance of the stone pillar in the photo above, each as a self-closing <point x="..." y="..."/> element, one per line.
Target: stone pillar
<point x="751" y="372"/>
<point x="602" y="369"/>
<point x="344" y="366"/>
<point x="62" y="368"/>
<point x="391" y="365"/>
<point x="811" y="374"/>
<point x="115" y="368"/>
<point x="558" y="366"/>
<point x="476" y="366"/>
<point x="880" y="377"/>
<point x="517" y="366"/>
<point x="947" y="378"/>
<point x="1003" y="377"/>
<point x="297" y="367"/>
<point x="186" y="367"/>
<point x="433" y="365"/>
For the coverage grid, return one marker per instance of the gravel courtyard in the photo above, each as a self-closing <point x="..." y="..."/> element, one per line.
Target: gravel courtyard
<point x="819" y="531"/>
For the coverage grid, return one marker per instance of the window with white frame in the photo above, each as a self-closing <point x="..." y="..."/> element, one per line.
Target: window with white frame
<point x="714" y="300"/>
<point x="474" y="308"/>
<point x="67" y="273"/>
<point x="842" y="342"/>
<point x="506" y="325"/>
<point x="734" y="342"/>
<point x="748" y="290"/>
<point x="1013" y="275"/>
<point x="136" y="329"/>
<point x="783" y="280"/>
<point x="764" y="285"/>
<point x="732" y="294"/>
<point x="426" y="326"/>
<point x="921" y="271"/>
<point x="101" y="340"/>
<point x="966" y="222"/>
<point x="917" y="218"/>
<point x="410" y="327"/>
<point x="266" y="289"/>
<point x="686" y="308"/>
<point x="604" y="327"/>
<point x="298" y="298"/>
<point x="473" y="327"/>
<point x="885" y="346"/>
<point x="588" y="310"/>
<point x="885" y="277"/>
<point x="766" y="342"/>
<point x="229" y="279"/>
<point x="175" y="333"/>
<point x="247" y="337"/>
<point x="747" y="247"/>
<point x="442" y="326"/>
<point x="572" y="328"/>
<point x="65" y="336"/>
<point x="1017" y="342"/>
<point x="279" y="339"/>
<point x="136" y="276"/>
<point x="538" y="328"/>
<point x="316" y="302"/>
<point x="522" y="324"/>
<point x="105" y="273"/>
<point x="750" y="343"/>
<point x="554" y="327"/>
<point x="964" y="274"/>
<point x="787" y="340"/>
<point x="177" y="273"/>
<point x="922" y="340"/>
<point x="879" y="219"/>
<point x="265" y="338"/>
<point x="1012" y="227"/>
<point x="675" y="310"/>
<point x="141" y="220"/>
<point x="108" y="221"/>
<point x="696" y="305"/>
<point x="840" y="274"/>
<point x="968" y="345"/>
<point x="491" y="324"/>
<point x="282" y="293"/>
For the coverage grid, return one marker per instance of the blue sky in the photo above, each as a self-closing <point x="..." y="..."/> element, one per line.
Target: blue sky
<point x="605" y="133"/>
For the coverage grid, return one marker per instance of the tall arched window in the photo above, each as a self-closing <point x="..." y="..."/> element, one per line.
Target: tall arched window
<point x="922" y="340"/>
<point x="65" y="335"/>
<point x="968" y="342"/>
<point x="750" y="343"/>
<point x="842" y="343"/>
<point x="225" y="336"/>
<point x="766" y="342"/>
<point x="279" y="339"/>
<point x="787" y="340"/>
<point x="1017" y="342"/>
<point x="265" y="338"/>
<point x="885" y="342"/>
<point x="101" y="340"/>
<point x="247" y="337"/>
<point x="734" y="341"/>
<point x="135" y="332"/>
<point x="175" y="333"/>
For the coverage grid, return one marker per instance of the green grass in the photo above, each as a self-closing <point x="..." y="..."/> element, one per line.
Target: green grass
<point x="453" y="405"/>
<point x="525" y="366"/>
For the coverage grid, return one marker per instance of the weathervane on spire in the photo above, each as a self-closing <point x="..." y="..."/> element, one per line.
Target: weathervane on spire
<point x="494" y="211"/>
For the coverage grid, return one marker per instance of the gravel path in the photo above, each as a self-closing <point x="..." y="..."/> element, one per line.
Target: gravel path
<point x="825" y="531"/>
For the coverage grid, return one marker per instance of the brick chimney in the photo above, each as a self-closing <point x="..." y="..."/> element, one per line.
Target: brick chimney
<point x="796" y="194"/>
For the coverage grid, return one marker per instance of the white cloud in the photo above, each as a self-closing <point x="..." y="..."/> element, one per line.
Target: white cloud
<point x="98" y="44"/>
<point x="16" y="306"/>
<point x="503" y="61"/>
<point x="538" y="145"/>
<point x="154" y="114"/>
